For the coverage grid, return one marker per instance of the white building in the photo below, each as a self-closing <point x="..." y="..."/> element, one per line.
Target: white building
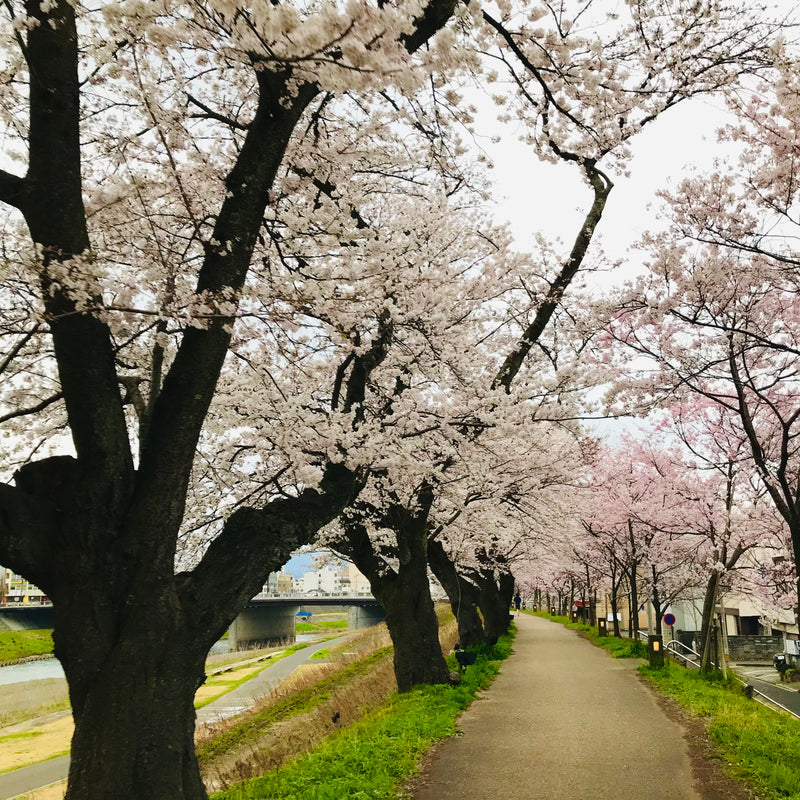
<point x="344" y="580"/>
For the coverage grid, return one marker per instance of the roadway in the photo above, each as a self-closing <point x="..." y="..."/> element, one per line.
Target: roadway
<point x="36" y="776"/>
<point x="766" y="680"/>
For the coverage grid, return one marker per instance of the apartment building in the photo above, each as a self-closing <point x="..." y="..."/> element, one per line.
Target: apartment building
<point x="15" y="590"/>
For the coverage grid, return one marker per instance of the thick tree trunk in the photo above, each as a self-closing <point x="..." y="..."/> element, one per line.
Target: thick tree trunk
<point x="134" y="728"/>
<point x="403" y="590"/>
<point x="414" y="628"/>
<point x="494" y="601"/>
<point x="133" y="661"/>
<point x="462" y="593"/>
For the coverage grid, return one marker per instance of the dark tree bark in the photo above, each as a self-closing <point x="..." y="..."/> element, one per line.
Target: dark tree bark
<point x="98" y="536"/>
<point x="571" y="603"/>
<point x="462" y="593"/>
<point x="709" y="603"/>
<point x="656" y="600"/>
<point x="404" y="591"/>
<point x="615" y="612"/>
<point x="494" y="600"/>
<point x="616" y="575"/>
<point x="591" y="594"/>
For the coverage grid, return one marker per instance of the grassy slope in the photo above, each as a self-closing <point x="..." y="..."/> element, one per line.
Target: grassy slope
<point x="15" y="645"/>
<point x="372" y="758"/>
<point x="299" y="702"/>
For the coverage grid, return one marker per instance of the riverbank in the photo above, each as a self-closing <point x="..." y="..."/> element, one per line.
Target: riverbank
<point x="20" y="646"/>
<point x="20" y="702"/>
<point x="272" y="689"/>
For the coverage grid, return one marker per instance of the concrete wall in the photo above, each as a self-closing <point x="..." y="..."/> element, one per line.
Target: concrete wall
<point x="364" y="617"/>
<point x="24" y="617"/>
<point x="263" y="625"/>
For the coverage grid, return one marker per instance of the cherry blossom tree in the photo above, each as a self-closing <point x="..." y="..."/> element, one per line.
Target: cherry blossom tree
<point x="722" y="501"/>
<point x="581" y="92"/>
<point x="159" y="153"/>
<point x="716" y="316"/>
<point x="149" y="142"/>
<point x="513" y="502"/>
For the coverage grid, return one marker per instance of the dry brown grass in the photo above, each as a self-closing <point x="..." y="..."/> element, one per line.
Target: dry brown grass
<point x="287" y="739"/>
<point x="290" y="738"/>
<point x="18" y="748"/>
<point x="22" y="701"/>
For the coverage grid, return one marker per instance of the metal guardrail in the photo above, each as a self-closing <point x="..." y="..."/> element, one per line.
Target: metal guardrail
<point x="762" y="698"/>
<point x="691" y="658"/>
<point x="769" y="701"/>
<point x="684" y="653"/>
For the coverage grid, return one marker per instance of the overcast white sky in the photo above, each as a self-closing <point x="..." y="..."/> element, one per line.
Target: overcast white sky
<point x="552" y="199"/>
<point x="534" y="197"/>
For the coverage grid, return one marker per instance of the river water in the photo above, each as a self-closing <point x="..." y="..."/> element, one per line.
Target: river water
<point x="31" y="671"/>
<point x="51" y="668"/>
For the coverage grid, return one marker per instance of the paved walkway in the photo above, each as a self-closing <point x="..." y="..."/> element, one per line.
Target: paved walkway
<point x="562" y="721"/>
<point x="258" y="687"/>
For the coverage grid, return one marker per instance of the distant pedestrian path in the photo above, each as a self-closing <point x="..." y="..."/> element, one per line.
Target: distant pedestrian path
<point x="562" y="721"/>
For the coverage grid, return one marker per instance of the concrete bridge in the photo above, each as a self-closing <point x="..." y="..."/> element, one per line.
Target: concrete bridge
<point x="26" y="617"/>
<point x="267" y="619"/>
<point x="264" y="619"/>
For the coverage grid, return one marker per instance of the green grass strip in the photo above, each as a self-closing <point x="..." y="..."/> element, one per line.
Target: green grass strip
<point x="22" y="735"/>
<point x="15" y="645"/>
<point x="321" y="625"/>
<point x="373" y="757"/>
<point x="761" y="745"/>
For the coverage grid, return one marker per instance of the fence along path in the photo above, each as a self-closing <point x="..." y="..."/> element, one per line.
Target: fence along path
<point x="562" y="721"/>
